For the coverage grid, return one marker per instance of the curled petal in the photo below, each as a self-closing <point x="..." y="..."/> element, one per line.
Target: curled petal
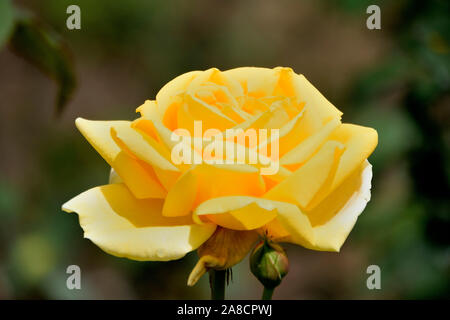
<point x="128" y="227"/>
<point x="335" y="217"/>
<point x="346" y="149"/>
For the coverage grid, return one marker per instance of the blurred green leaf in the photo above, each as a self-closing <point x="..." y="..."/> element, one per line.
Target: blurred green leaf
<point x="32" y="257"/>
<point x="6" y="21"/>
<point x="47" y="53"/>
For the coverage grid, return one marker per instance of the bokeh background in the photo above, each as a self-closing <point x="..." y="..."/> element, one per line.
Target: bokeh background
<point x="395" y="79"/>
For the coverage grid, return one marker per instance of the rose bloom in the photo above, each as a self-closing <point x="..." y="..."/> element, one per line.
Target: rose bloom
<point x="155" y="209"/>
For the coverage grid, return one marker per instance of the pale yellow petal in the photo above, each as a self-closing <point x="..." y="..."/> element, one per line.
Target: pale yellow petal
<point x="127" y="227"/>
<point x="148" y="109"/>
<point x="114" y="177"/>
<point x="97" y="133"/>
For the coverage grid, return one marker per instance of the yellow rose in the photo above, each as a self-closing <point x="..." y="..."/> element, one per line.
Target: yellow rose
<point x="156" y="208"/>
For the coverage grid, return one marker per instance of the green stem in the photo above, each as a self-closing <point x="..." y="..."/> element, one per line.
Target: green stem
<point x="217" y="282"/>
<point x="267" y="293"/>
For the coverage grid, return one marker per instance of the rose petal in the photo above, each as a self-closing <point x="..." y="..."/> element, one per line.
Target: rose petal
<point x="257" y="82"/>
<point x="249" y="217"/>
<point x="303" y="184"/>
<point x="142" y="146"/>
<point x="127" y="227"/>
<point x="289" y="215"/>
<point x="138" y="176"/>
<point x="195" y="186"/>
<point x="349" y="200"/>
<point x="181" y="197"/>
<point x="172" y="89"/>
<point x="306" y="148"/>
<point x="359" y="144"/>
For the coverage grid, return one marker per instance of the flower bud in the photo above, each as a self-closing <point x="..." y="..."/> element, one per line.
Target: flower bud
<point x="269" y="263"/>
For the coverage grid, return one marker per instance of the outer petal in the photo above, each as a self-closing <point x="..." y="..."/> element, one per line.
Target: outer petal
<point x="148" y="109"/>
<point x="127" y="227"/>
<point x="308" y="93"/>
<point x="325" y="228"/>
<point x="335" y="217"/>
<point x="331" y="235"/>
<point x="97" y="133"/>
<point x="359" y="141"/>
<point x="348" y="146"/>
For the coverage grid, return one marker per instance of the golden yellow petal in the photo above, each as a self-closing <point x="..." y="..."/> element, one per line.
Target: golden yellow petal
<point x="303" y="184"/>
<point x="143" y="147"/>
<point x="181" y="197"/>
<point x="138" y="176"/>
<point x="335" y="216"/>
<point x="289" y="215"/>
<point x="172" y="89"/>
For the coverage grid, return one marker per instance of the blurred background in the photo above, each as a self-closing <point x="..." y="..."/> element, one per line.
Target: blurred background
<point x="395" y="79"/>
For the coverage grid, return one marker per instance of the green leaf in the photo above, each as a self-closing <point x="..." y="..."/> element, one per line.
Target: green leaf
<point x="6" y="21"/>
<point x="46" y="52"/>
